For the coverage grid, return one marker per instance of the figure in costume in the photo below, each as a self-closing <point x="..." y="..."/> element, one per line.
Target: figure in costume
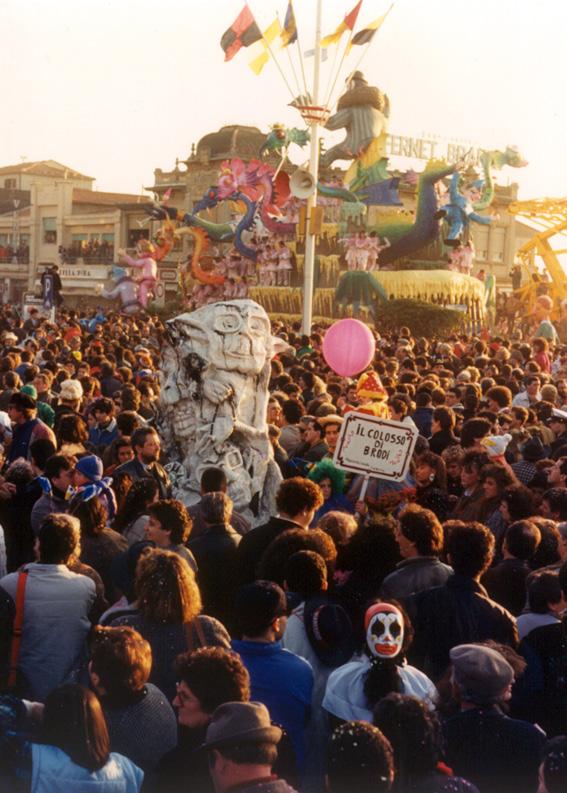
<point x="372" y="396"/>
<point x="374" y="250"/>
<point x="126" y="289"/>
<point x="460" y="210"/>
<point x="284" y="264"/>
<point x="147" y="264"/>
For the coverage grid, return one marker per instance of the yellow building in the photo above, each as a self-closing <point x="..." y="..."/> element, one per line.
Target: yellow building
<point x="57" y="218"/>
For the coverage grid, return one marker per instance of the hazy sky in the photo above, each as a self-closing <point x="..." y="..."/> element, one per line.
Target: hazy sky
<point x="116" y="88"/>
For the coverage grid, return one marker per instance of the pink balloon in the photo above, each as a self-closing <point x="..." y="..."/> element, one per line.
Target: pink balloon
<point x="348" y="347"/>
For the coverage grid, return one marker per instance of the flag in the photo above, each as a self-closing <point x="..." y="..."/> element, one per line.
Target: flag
<point x="242" y="33"/>
<point x="366" y="35"/>
<point x="311" y="54"/>
<point x="289" y="33"/>
<point x="261" y="56"/>
<point x="348" y="23"/>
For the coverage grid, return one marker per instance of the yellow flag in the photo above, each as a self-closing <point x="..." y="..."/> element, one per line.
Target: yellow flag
<point x="261" y="56"/>
<point x="348" y="23"/>
<point x="365" y="36"/>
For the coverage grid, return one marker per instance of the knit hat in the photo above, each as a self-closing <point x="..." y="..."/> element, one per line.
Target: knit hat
<point x="30" y="390"/>
<point x="71" y="390"/>
<point x="370" y="386"/>
<point x="481" y="673"/>
<point x="91" y="467"/>
<point x="329" y="630"/>
<point x="532" y="450"/>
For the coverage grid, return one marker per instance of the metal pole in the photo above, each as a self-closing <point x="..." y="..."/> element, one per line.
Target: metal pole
<point x="309" y="262"/>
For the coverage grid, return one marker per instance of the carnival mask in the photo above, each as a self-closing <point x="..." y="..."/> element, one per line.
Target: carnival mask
<point x="384" y="625"/>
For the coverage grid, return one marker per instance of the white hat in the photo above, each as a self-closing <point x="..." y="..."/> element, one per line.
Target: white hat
<point x="71" y="390"/>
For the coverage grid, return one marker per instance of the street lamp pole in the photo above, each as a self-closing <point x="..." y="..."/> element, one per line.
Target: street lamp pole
<point x="15" y="231"/>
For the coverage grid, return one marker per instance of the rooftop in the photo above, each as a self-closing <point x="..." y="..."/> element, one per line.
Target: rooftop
<point x="44" y="168"/>
<point x="233" y="140"/>
<point x="107" y="199"/>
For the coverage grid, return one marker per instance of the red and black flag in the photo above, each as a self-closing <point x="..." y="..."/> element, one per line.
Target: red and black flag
<point x="242" y="33"/>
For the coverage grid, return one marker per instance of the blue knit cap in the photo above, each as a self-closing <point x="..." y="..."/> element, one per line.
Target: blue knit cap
<point x="91" y="467"/>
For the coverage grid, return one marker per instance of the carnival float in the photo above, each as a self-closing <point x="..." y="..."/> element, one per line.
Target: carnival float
<point x="321" y="241"/>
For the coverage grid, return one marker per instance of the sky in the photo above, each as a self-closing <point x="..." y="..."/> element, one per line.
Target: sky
<point x="116" y="88"/>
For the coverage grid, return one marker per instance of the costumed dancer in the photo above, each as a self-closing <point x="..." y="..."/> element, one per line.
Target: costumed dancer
<point x="271" y="265"/>
<point x="147" y="264"/>
<point x="351" y="255"/>
<point x="467" y="258"/>
<point x="372" y="396"/>
<point x="374" y="250"/>
<point x="284" y="264"/>
<point x="262" y="260"/>
<point x="361" y="251"/>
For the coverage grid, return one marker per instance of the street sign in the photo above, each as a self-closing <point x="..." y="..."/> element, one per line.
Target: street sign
<point x="377" y="447"/>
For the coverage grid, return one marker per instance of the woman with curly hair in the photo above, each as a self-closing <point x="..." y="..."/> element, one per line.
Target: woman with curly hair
<point x="331" y="480"/>
<point x="167" y="613"/>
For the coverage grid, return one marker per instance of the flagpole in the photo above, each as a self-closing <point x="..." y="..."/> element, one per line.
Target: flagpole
<point x="279" y="68"/>
<point x="297" y="85"/>
<point x="309" y="261"/>
<point x="302" y="64"/>
<point x="365" y="51"/>
<point x="339" y="70"/>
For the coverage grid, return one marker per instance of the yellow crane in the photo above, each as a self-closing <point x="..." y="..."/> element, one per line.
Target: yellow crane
<point x="548" y="216"/>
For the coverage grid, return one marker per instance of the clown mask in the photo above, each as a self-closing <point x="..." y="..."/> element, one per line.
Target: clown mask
<point x="384" y="625"/>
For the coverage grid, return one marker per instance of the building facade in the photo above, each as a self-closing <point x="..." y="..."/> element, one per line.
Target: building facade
<point x="57" y="218"/>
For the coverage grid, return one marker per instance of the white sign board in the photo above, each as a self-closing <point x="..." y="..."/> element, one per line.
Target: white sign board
<point x="376" y="447"/>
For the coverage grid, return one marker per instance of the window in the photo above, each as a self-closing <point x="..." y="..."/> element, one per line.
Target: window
<point x="49" y="231"/>
<point x="10" y="184"/>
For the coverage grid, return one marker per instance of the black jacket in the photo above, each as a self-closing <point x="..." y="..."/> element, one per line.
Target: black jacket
<point x="414" y="575"/>
<point x="216" y="552"/>
<point x="154" y="471"/>
<point x="459" y="612"/>
<point x="442" y="440"/>
<point x="506" y="584"/>
<point x="254" y="544"/>
<point x="540" y="695"/>
<point x="494" y="752"/>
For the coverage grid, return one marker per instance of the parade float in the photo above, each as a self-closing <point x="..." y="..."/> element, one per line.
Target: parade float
<point x="322" y="241"/>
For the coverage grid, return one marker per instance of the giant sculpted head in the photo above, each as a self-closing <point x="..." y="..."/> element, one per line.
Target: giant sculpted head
<point x="215" y="372"/>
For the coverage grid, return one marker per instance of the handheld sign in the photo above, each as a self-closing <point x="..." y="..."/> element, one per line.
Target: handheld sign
<point x="377" y="447"/>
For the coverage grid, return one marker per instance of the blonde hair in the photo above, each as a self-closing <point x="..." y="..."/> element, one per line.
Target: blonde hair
<point x="166" y="589"/>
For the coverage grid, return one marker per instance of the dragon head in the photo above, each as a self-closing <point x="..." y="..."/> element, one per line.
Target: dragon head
<point x="210" y="199"/>
<point x="513" y="158"/>
<point x="275" y="141"/>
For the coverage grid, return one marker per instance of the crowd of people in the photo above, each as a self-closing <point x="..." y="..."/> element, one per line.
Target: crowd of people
<point x="21" y="254"/>
<point x="92" y="251"/>
<point x="408" y="639"/>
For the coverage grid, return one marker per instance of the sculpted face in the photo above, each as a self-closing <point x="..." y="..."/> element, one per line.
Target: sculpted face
<point x="244" y="335"/>
<point x="384" y="630"/>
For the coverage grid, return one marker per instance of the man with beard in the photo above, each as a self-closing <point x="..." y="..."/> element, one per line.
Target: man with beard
<point x="146" y="445"/>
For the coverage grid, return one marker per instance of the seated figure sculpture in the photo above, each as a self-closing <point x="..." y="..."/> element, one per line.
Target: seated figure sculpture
<point x="215" y="372"/>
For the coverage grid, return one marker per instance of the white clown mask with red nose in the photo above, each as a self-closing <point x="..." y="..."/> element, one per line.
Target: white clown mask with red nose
<point x="384" y="625"/>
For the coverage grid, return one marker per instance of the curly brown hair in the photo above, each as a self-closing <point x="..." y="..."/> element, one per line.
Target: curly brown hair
<point x="215" y="676"/>
<point x="166" y="588"/>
